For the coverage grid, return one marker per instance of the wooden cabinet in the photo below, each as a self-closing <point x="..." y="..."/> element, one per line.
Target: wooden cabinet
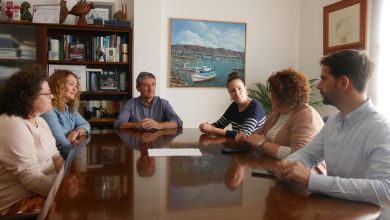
<point x="104" y="53"/>
<point x="17" y="48"/>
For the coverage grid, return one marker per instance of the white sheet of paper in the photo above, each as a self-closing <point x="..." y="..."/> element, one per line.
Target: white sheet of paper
<point x="162" y="152"/>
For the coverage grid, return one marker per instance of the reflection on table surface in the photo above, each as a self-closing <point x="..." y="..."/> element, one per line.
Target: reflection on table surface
<point x="113" y="178"/>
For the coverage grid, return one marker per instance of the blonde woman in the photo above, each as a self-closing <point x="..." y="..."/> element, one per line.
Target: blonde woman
<point x="64" y="120"/>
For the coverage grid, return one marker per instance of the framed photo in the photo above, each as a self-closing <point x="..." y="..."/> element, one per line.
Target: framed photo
<point x="203" y="53"/>
<point x="109" y="83"/>
<point x="76" y="52"/>
<point x="345" y="25"/>
<point x="111" y="54"/>
<point x="78" y="70"/>
<point x="101" y="10"/>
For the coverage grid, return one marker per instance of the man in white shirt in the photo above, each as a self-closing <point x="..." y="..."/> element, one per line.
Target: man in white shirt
<point x="354" y="142"/>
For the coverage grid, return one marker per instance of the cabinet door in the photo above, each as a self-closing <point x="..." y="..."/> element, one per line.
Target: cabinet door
<point x="18" y="48"/>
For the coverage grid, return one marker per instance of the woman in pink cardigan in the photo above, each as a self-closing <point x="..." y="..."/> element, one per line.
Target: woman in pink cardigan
<point x="292" y="123"/>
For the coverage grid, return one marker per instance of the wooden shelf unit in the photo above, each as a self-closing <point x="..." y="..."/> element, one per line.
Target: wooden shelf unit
<point x="43" y="32"/>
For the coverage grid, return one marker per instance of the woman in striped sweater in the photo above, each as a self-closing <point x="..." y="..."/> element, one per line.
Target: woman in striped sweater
<point x="245" y="114"/>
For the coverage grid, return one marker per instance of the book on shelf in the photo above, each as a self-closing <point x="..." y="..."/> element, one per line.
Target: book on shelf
<point x="9" y="53"/>
<point x="123" y="81"/>
<point x="92" y="79"/>
<point x="28" y="50"/>
<point x="104" y="48"/>
<point x="54" y="49"/>
<point x="115" y="23"/>
<point x="7" y="41"/>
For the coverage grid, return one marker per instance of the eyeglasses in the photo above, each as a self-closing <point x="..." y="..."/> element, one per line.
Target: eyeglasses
<point x="47" y="94"/>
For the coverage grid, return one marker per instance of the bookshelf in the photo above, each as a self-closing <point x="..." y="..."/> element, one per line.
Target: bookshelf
<point x="102" y="55"/>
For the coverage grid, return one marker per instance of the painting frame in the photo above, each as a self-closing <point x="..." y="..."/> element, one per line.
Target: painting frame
<point x="344" y="26"/>
<point x="202" y="53"/>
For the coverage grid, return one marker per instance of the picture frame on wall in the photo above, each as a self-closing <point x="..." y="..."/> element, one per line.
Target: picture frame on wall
<point x="344" y="25"/>
<point x="203" y="53"/>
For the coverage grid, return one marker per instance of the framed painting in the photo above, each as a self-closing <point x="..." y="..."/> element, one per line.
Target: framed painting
<point x="345" y="25"/>
<point x="203" y="53"/>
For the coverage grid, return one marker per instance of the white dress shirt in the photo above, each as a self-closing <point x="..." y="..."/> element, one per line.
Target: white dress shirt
<point x="356" y="149"/>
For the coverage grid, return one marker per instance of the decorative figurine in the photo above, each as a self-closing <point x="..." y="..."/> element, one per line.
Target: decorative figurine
<point x="16" y="13"/>
<point x="63" y="11"/>
<point x="26" y="15"/>
<point x="121" y="15"/>
<point x="81" y="9"/>
<point x="9" y="12"/>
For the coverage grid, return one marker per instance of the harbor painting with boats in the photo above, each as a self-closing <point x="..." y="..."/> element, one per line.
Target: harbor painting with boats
<point x="203" y="53"/>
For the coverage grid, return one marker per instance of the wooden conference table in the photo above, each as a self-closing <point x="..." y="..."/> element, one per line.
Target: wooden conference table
<point x="113" y="178"/>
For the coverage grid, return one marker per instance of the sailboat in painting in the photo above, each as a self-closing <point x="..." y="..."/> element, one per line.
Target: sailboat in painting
<point x="203" y="74"/>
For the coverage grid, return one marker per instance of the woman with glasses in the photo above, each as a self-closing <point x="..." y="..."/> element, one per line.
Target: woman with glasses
<point x="64" y="120"/>
<point x="292" y="123"/>
<point x="29" y="159"/>
<point x="245" y="114"/>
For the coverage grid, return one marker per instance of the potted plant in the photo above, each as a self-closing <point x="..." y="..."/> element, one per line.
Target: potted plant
<point x="261" y="90"/>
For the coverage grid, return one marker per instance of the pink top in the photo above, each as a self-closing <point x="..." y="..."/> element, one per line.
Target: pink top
<point x="26" y="159"/>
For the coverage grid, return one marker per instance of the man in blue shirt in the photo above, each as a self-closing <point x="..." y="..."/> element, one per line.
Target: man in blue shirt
<point x="354" y="142"/>
<point x="147" y="111"/>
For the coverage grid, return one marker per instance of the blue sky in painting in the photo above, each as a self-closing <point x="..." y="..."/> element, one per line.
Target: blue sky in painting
<point x="209" y="34"/>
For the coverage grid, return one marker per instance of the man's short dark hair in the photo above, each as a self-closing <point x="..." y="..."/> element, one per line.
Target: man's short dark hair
<point x="351" y="63"/>
<point x="142" y="75"/>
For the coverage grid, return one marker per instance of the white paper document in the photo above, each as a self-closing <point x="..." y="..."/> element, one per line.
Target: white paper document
<point x="162" y="152"/>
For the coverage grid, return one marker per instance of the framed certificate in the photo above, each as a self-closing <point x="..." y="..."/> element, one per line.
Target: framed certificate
<point x="345" y="25"/>
<point x="49" y="14"/>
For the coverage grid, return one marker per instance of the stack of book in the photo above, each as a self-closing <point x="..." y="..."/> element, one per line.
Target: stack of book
<point x="28" y="50"/>
<point x="9" y="47"/>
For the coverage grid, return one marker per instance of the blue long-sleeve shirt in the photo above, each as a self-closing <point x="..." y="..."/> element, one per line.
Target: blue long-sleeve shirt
<point x="160" y="110"/>
<point x="62" y="123"/>
<point x="356" y="149"/>
<point x="248" y="120"/>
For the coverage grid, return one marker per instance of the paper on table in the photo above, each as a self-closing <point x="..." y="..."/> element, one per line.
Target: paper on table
<point x="174" y="152"/>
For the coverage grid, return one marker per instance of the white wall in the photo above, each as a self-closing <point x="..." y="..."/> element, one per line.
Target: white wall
<point x="272" y="44"/>
<point x="311" y="39"/>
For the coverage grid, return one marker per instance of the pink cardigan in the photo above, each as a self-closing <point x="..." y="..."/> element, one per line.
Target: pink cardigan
<point x="303" y="124"/>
